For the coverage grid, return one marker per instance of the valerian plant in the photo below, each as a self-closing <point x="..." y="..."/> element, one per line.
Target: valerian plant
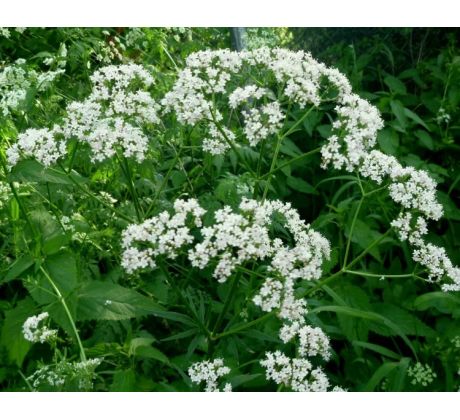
<point x="163" y="239"/>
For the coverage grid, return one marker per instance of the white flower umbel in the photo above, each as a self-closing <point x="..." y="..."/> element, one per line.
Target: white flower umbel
<point x="210" y="372"/>
<point x="36" y="333"/>
<point x="160" y="235"/>
<point x="115" y="117"/>
<point x="312" y="340"/>
<point x="40" y="144"/>
<point x="297" y="373"/>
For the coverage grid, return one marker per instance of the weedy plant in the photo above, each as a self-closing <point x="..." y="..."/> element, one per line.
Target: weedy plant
<point x="164" y="233"/>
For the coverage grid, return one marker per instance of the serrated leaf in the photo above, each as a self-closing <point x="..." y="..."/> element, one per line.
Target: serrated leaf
<point x="409" y="324"/>
<point x="12" y="337"/>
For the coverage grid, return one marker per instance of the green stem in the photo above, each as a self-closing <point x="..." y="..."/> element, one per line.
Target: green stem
<point x="227" y="303"/>
<point x="244" y="326"/>
<point x="163" y="183"/>
<point x="67" y="311"/>
<point x="352" y="228"/>
<point x="393" y="276"/>
<point x="93" y="196"/>
<point x="344" y="269"/>
<point x="127" y="171"/>
<point x="290" y="162"/>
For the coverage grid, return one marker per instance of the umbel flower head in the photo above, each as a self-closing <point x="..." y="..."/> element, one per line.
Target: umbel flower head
<point x="112" y="119"/>
<point x="37" y="333"/>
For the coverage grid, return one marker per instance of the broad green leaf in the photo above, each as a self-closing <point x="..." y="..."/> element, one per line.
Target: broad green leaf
<point x="123" y="381"/>
<point x="371" y="316"/>
<point x="33" y="171"/>
<point x="409" y="324"/>
<point x="425" y="139"/>
<point x="395" y="85"/>
<point x="18" y="267"/>
<point x="451" y="211"/>
<point x="52" y="236"/>
<point x="109" y="301"/>
<point x="363" y="235"/>
<point x="12" y="337"/>
<point x="399" y="111"/>
<point x="388" y="140"/>
<point x="288" y="147"/>
<point x="442" y="301"/>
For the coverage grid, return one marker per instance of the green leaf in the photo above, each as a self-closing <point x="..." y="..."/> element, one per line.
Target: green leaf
<point x="371" y="316"/>
<point x="18" y="267"/>
<point x="300" y="185"/>
<point x="409" y="324"/>
<point x="109" y="301"/>
<point x="388" y="140"/>
<point x="363" y="235"/>
<point x="382" y="372"/>
<point x="12" y="337"/>
<point x="33" y="171"/>
<point x="123" y="381"/>
<point x="450" y="209"/>
<point x="62" y="268"/>
<point x="414" y="117"/>
<point x="442" y="301"/>
<point x="378" y="349"/>
<point x="425" y="139"/>
<point x="52" y="236"/>
<point x="288" y="147"/>
<point x="152" y="353"/>
<point x="399" y="111"/>
<point x="395" y="85"/>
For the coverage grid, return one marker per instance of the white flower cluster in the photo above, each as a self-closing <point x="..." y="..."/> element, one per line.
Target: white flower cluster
<point x="112" y="118"/>
<point x="209" y="372"/>
<point x="15" y="81"/>
<point x="217" y="142"/>
<point x="40" y="144"/>
<point x="163" y="235"/>
<point x="312" y="340"/>
<point x="295" y="373"/>
<point x="351" y="147"/>
<point x="35" y="333"/>
<point x="235" y="239"/>
<point x="211" y="75"/>
<point x="64" y="372"/>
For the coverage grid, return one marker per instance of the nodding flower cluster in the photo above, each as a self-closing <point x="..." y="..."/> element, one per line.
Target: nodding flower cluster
<point x="209" y="372"/>
<point x="113" y="118"/>
<point x="234" y="239"/>
<point x="35" y="333"/>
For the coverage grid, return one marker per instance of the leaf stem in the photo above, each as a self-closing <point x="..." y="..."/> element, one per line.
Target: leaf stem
<point x="67" y="311"/>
